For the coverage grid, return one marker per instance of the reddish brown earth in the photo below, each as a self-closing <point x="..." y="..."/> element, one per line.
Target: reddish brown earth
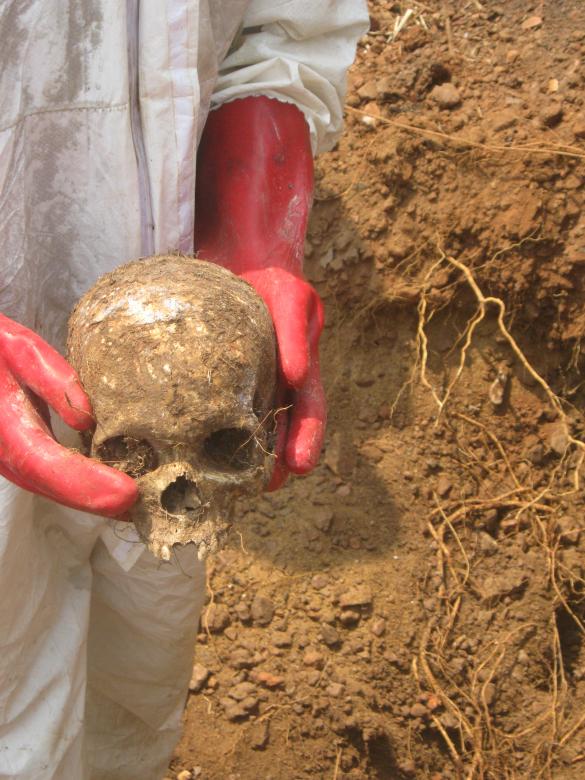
<point x="414" y="608"/>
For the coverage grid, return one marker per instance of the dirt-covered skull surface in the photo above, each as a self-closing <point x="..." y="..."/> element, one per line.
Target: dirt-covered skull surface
<point x="178" y="357"/>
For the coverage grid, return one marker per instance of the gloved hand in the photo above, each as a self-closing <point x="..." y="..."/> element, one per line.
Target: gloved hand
<point x="254" y="193"/>
<point x="32" y="375"/>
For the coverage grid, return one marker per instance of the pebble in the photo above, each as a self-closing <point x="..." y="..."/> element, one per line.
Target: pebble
<point x="216" y="618"/>
<point x="314" y="658"/>
<point x="259" y="735"/>
<point x="558" y="440"/>
<point x="319" y="581"/>
<point x="282" y="639"/>
<point x="242" y="691"/>
<point x="532" y="23"/>
<point x="356" y="597"/>
<point x="551" y="114"/>
<point x="262" y="610"/>
<point x="407" y="767"/>
<point x="232" y="709"/>
<point x="249" y="703"/>
<point x="199" y="677"/>
<point x="379" y="627"/>
<point x="243" y="612"/>
<point x="186" y="774"/>
<point x="449" y="721"/>
<point x="534" y="450"/>
<point x="444" y="486"/>
<point x="418" y="710"/>
<point x="329" y="635"/>
<point x="334" y="690"/>
<point x="486" y="543"/>
<point x="241" y="658"/>
<point x="322" y="519"/>
<point x="369" y="91"/>
<point x="267" y="679"/>
<point x="349" y="617"/>
<point x="446" y="95"/>
<point x="523" y="657"/>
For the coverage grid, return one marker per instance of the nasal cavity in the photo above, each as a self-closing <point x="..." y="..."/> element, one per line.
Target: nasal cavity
<point x="181" y="497"/>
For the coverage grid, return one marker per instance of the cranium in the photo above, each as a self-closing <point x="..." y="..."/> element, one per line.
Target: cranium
<point x="178" y="357"/>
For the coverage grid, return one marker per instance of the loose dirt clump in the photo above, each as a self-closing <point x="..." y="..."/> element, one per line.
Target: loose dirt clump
<point x="178" y="357"/>
<point x="423" y="590"/>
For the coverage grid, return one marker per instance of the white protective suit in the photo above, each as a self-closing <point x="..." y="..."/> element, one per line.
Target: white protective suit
<point x="102" y="104"/>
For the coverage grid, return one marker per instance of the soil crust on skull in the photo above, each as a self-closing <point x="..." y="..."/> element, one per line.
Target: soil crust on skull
<point x="414" y="608"/>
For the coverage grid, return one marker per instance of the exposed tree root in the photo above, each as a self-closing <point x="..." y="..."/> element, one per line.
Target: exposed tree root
<point x="480" y="748"/>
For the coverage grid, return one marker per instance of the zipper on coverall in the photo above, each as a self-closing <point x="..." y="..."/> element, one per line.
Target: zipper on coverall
<point x="146" y="217"/>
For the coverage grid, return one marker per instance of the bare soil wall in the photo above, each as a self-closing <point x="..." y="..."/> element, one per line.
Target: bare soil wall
<point x="414" y="608"/>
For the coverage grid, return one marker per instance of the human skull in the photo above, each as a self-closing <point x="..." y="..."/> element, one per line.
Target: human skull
<point x="178" y="357"/>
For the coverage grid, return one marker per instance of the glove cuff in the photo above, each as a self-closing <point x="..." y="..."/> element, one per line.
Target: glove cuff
<point x="254" y="186"/>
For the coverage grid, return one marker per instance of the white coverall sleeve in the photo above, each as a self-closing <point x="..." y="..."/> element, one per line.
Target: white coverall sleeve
<point x="297" y="51"/>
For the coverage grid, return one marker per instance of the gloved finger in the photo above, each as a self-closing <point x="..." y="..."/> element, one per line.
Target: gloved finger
<point x="291" y="314"/>
<point x="36" y="365"/>
<point x="12" y="477"/>
<point x="307" y="429"/>
<point x="280" y="470"/>
<point x="44" y="466"/>
<point x="308" y="416"/>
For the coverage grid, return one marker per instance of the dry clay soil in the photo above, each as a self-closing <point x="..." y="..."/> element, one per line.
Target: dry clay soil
<point x="415" y="607"/>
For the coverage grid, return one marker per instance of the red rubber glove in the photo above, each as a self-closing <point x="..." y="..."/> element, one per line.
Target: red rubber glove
<point x="32" y="375"/>
<point x="254" y="193"/>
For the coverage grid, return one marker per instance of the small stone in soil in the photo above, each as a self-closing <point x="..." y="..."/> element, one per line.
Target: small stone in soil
<point x="242" y="690"/>
<point x="243" y="612"/>
<point x="334" y="689"/>
<point x="241" y="658"/>
<point x="262" y="610"/>
<point x="559" y="440"/>
<point x="446" y="95"/>
<point x="267" y="679"/>
<point x="216" y="618"/>
<point x="282" y="639"/>
<point x="356" y="597"/>
<point x="551" y="114"/>
<point x="322" y="519"/>
<point x="418" y="710"/>
<point x="319" y="581"/>
<point x="444" y="486"/>
<point x="379" y="627"/>
<point x="259" y="735"/>
<point x="314" y="658"/>
<point x="349" y="617"/>
<point x="199" y="677"/>
<point x="329" y="635"/>
<point x="232" y="710"/>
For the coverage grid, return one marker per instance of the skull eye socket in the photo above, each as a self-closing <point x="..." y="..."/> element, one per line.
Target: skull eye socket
<point x="232" y="449"/>
<point x="135" y="457"/>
